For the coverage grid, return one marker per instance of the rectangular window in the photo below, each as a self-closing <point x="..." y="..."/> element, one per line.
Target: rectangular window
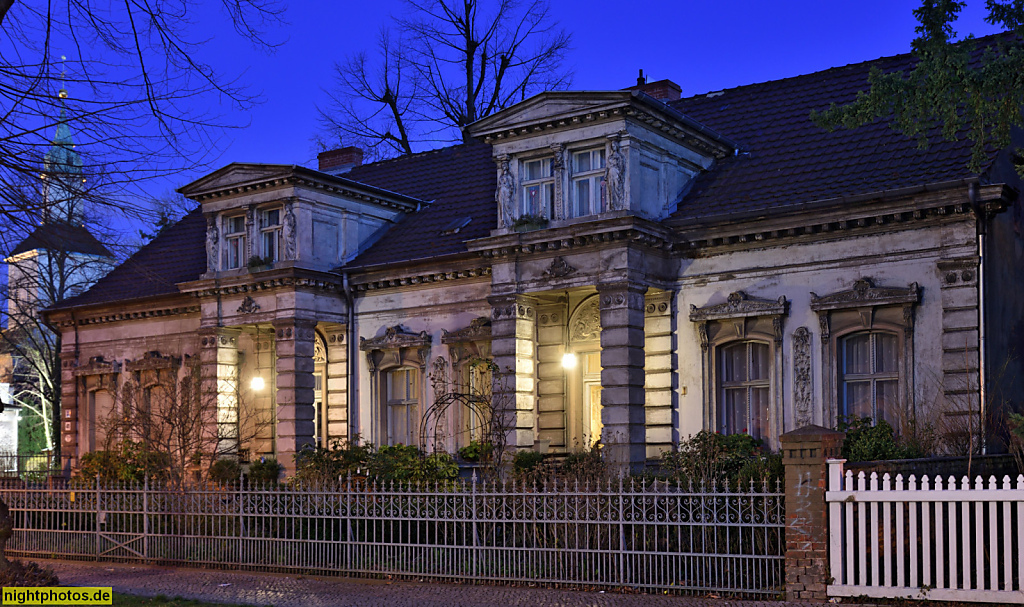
<point x="538" y="187"/>
<point x="234" y="238"/>
<point x="744" y="384"/>
<point x="869" y="376"/>
<point x="588" y="188"/>
<point x="402" y="406"/>
<point x="270" y="234"/>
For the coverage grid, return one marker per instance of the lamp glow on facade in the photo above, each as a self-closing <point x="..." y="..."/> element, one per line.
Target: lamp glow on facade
<point x="256" y="383"/>
<point x="569" y="360"/>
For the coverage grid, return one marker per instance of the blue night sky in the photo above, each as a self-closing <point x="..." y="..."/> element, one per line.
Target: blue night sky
<point x="702" y="45"/>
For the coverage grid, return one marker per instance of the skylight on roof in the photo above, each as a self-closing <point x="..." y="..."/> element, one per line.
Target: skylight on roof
<point x="455" y="225"/>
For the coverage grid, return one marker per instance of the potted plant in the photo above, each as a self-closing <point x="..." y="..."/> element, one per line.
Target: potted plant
<point x="476" y="451"/>
<point x="527" y="223"/>
<point x="258" y="264"/>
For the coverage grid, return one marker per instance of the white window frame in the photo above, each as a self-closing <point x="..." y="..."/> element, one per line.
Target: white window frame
<point x="273" y="232"/>
<point x="746" y="384"/>
<point x="234" y="242"/>
<point x="409" y="405"/>
<point x="873" y="376"/>
<point x="594" y="177"/>
<point x="546" y="183"/>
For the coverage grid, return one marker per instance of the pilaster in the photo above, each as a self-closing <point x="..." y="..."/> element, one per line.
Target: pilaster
<point x="336" y="383"/>
<point x="69" y="407"/>
<point x="513" y="347"/>
<point x="295" y="383"/>
<point x="218" y="357"/>
<point x="622" y="374"/>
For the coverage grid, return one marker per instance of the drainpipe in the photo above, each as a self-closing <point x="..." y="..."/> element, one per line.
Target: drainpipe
<point x="350" y="371"/>
<point x="981" y="218"/>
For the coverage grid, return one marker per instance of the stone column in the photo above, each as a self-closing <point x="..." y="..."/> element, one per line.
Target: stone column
<point x="295" y="384"/>
<point x="513" y="347"/>
<point x="218" y="357"/>
<point x="805" y="452"/>
<point x="622" y="375"/>
<point x="68" y="409"/>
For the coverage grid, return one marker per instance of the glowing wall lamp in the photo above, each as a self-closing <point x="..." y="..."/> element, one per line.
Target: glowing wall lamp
<point x="568" y="360"/>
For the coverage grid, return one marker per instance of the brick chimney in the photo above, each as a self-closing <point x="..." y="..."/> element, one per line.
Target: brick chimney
<point x="662" y="90"/>
<point x="337" y="162"/>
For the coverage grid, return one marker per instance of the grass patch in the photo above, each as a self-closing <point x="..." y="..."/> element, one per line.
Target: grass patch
<point x="130" y="600"/>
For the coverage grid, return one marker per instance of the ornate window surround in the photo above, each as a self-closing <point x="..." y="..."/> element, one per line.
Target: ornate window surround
<point x="395" y="348"/>
<point x="865" y="307"/>
<point x="741" y="318"/>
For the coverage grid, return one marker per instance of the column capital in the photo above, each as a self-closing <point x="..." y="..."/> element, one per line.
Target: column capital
<point x="623" y="294"/>
<point x="213" y="337"/>
<point x="294" y="329"/>
<point x="513" y="307"/>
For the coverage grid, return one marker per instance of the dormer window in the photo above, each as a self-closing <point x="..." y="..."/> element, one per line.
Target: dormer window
<point x="270" y="234"/>
<point x="538" y="187"/>
<point x="234" y="237"/>
<point x="588" y="187"/>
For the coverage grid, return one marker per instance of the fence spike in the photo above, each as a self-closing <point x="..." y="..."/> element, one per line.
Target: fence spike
<point x="992" y="482"/>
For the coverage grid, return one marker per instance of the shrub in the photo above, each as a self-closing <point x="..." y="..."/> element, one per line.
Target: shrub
<point x="407" y="464"/>
<point x="27" y="574"/>
<point x="708" y="457"/>
<point x="586" y="467"/>
<point x="128" y="461"/>
<point x="476" y="451"/>
<point x="340" y="460"/>
<point x="265" y="471"/>
<point x="866" y="442"/>
<point x="526" y="461"/>
<point x="225" y="471"/>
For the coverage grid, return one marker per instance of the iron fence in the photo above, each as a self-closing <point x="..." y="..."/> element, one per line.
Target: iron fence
<point x="36" y="466"/>
<point x="652" y="536"/>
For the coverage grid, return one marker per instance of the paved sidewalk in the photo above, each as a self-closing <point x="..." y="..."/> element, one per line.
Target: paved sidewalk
<point x="279" y="590"/>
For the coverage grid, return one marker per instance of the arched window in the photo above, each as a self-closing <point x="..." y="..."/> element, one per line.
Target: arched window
<point x="869" y="377"/>
<point x="744" y="388"/>
<point x="402" y="405"/>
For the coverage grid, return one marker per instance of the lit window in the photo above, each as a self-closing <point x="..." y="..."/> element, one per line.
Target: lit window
<point x="402" y="406"/>
<point x="270" y="234"/>
<point x="588" y="189"/>
<point x="869" y="375"/>
<point x="234" y="236"/>
<point x="744" y="382"/>
<point x="538" y="187"/>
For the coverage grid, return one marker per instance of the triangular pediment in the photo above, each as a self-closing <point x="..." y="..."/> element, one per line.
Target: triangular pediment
<point x="550" y="106"/>
<point x="234" y="175"/>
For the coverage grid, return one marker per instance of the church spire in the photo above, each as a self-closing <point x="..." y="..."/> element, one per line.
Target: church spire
<point x="62" y="172"/>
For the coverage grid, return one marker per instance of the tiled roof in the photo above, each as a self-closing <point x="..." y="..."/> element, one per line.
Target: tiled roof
<point x="459" y="181"/>
<point x="787" y="160"/>
<point x="178" y="254"/>
<point x="60" y="236"/>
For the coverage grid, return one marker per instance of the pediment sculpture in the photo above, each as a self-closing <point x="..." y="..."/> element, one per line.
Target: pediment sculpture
<point x="865" y="293"/>
<point x="740" y="305"/>
<point x="395" y="337"/>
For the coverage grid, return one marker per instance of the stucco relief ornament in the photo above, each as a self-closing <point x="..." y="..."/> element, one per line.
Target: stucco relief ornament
<point x="439" y="377"/>
<point x="802" y="378"/>
<point x="559" y="268"/>
<point x="506" y="193"/>
<point x="289" y="231"/>
<point x="212" y="241"/>
<point x="249" y="306"/>
<point x="615" y="177"/>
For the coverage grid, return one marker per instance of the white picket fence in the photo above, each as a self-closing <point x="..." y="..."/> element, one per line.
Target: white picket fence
<point x="929" y="539"/>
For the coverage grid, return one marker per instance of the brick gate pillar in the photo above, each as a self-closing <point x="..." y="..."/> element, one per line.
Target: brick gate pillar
<point x="514" y="349"/>
<point x="622" y="375"/>
<point x="804" y="454"/>
<point x="295" y="384"/>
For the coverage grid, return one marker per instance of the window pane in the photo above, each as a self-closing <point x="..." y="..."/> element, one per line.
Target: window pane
<point x="270" y="218"/>
<point x="732" y="418"/>
<point x="759" y="364"/>
<point x="533" y="169"/>
<point x="582" y="162"/>
<point x="858" y="399"/>
<point x="734" y="363"/>
<point x="598" y="159"/>
<point x="582" y="198"/>
<point x="887" y="401"/>
<point x="549" y="200"/>
<point x="758" y="412"/>
<point x="886" y="354"/>
<point x="857" y="353"/>
<point x="533" y="200"/>
<point x="236" y="225"/>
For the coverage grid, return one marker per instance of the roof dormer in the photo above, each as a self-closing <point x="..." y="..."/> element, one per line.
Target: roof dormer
<point x="565" y="156"/>
<point x="267" y="215"/>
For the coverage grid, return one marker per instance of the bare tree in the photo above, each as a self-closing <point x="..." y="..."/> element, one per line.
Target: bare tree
<point x="170" y="414"/>
<point x="448" y="64"/>
<point x="131" y="90"/>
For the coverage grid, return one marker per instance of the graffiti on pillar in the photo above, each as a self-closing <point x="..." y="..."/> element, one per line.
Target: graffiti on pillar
<point x="800" y="525"/>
